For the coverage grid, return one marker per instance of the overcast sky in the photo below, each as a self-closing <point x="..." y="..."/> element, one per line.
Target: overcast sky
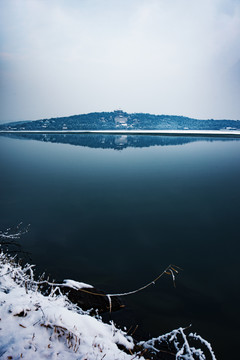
<point x="64" y="57"/>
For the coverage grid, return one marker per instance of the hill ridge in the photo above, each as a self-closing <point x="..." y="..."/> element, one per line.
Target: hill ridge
<point x="118" y="119"/>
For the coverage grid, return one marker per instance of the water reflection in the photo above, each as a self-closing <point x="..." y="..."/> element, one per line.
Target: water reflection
<point x="115" y="142"/>
<point x="115" y="219"/>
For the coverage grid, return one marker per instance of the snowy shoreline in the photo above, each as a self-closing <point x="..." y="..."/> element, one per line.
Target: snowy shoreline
<point x="33" y="325"/>
<point x="199" y="133"/>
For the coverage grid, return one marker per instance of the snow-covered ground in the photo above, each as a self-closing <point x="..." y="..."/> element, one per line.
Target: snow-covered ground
<point x="34" y="326"/>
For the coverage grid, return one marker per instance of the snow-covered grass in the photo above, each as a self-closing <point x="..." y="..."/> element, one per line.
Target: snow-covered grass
<point x="34" y="326"/>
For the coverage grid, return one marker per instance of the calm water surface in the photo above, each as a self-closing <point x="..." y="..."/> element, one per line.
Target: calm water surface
<point x="116" y="219"/>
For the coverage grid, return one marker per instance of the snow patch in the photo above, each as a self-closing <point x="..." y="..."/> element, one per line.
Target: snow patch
<point x="76" y="284"/>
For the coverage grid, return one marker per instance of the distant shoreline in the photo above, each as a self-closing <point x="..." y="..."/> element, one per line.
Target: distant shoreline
<point x="210" y="133"/>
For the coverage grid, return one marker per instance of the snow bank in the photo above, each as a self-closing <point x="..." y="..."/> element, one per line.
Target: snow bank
<point x="34" y="326"/>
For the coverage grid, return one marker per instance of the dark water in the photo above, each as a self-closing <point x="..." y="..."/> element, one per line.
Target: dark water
<point x="116" y="215"/>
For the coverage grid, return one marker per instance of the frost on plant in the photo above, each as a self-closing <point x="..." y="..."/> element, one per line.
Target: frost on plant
<point x="9" y="237"/>
<point x="14" y="233"/>
<point x="182" y="344"/>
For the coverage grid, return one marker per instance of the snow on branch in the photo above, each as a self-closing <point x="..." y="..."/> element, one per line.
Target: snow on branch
<point x="14" y="233"/>
<point x="181" y="342"/>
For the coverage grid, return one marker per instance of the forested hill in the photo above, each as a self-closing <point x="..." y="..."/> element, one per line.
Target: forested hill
<point x="118" y="120"/>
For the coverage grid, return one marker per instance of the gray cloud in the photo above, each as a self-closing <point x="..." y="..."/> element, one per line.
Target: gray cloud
<point x="64" y="57"/>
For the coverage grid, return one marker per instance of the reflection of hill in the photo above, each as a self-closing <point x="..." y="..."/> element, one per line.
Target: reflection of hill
<point x="109" y="141"/>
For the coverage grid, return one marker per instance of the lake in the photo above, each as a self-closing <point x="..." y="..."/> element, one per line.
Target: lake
<point x="115" y="211"/>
